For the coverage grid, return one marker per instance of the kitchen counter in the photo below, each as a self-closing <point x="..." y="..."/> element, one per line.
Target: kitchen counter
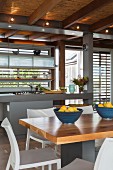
<point x="43" y="97"/>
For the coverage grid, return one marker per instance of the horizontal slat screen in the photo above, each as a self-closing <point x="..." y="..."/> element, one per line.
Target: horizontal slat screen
<point x="25" y="77"/>
<point x="101" y="77"/>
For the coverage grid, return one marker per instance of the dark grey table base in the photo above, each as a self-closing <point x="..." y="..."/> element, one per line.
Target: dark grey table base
<point x="84" y="150"/>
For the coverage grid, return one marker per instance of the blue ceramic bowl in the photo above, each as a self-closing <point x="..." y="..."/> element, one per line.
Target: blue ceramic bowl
<point x="105" y="112"/>
<point x="68" y="117"/>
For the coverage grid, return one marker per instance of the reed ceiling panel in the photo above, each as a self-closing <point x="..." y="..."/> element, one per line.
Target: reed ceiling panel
<point x="66" y="8"/>
<point x="99" y="14"/>
<point x="19" y="7"/>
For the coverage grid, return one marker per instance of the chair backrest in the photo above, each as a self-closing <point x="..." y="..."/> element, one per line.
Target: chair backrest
<point x="34" y="113"/>
<point x="104" y="160"/>
<point x="14" y="155"/>
<point x="86" y="109"/>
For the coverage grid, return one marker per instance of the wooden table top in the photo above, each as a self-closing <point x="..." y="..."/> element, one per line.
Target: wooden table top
<point x="87" y="127"/>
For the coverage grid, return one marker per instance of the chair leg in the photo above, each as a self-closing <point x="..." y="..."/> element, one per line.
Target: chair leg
<point x="27" y="140"/>
<point x="43" y="145"/>
<point x="59" y="164"/>
<point x="49" y="167"/>
<point x="56" y="148"/>
<point x="42" y="167"/>
<point x="8" y="164"/>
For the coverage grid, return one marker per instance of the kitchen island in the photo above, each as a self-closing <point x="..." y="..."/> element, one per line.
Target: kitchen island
<point x="15" y="106"/>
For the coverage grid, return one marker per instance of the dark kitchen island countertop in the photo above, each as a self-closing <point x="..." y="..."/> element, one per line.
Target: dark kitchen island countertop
<point x="4" y="98"/>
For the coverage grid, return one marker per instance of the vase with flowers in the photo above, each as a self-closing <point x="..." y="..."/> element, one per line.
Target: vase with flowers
<point x="81" y="81"/>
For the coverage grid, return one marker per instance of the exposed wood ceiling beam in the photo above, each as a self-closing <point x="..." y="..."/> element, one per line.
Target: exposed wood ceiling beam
<point x="35" y="36"/>
<point x="83" y="12"/>
<point x="18" y="19"/>
<point x="52" y="23"/>
<point x="72" y="37"/>
<point x="103" y="45"/>
<point x="10" y="33"/>
<point x="59" y="37"/>
<point x="95" y="44"/>
<point x="82" y="27"/>
<point x="9" y="43"/>
<point x="102" y="24"/>
<point x="99" y="39"/>
<point x="25" y="42"/>
<point x="24" y="20"/>
<point x="45" y="7"/>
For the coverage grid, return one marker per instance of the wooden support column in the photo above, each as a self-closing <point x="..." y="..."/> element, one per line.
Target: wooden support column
<point x="61" y="64"/>
<point x="53" y="71"/>
<point x="61" y="47"/>
<point x="88" y="60"/>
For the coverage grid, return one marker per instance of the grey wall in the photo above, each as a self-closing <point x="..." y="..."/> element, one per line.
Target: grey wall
<point x="18" y="110"/>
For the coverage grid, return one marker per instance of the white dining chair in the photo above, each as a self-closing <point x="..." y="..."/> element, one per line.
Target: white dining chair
<point x="35" y="113"/>
<point x="104" y="160"/>
<point x="30" y="158"/>
<point x="87" y="109"/>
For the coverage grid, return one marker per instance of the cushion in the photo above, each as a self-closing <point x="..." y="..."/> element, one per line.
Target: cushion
<point x="32" y="113"/>
<point x="86" y="109"/>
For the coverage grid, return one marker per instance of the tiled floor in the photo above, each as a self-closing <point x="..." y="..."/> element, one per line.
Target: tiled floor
<point x="5" y="149"/>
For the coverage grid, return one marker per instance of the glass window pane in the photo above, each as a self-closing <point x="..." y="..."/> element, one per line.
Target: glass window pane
<point x="43" y="62"/>
<point x="4" y="61"/>
<point x="20" y="61"/>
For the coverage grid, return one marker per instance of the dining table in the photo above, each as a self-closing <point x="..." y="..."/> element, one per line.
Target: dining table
<point x="76" y="140"/>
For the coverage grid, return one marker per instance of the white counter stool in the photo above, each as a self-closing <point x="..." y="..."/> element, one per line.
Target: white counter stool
<point x="104" y="159"/>
<point x="30" y="158"/>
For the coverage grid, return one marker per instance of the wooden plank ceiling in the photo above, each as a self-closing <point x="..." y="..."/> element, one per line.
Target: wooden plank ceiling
<point x="50" y="21"/>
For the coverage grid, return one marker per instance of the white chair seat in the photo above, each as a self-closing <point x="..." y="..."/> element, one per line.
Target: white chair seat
<point x="37" y="156"/>
<point x="79" y="164"/>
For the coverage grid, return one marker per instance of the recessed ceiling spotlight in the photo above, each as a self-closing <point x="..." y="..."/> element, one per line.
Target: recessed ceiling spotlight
<point x="9" y="26"/>
<point x="78" y="27"/>
<point x="107" y="31"/>
<point x="12" y="19"/>
<point x="47" y="13"/>
<point x="47" y="23"/>
<point x="43" y="29"/>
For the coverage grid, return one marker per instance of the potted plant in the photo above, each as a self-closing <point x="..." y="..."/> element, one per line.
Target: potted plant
<point x="81" y="81"/>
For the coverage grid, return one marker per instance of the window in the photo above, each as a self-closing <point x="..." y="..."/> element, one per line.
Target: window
<point x="11" y="58"/>
<point x="73" y="68"/>
<point x="73" y="65"/>
<point x="101" y="77"/>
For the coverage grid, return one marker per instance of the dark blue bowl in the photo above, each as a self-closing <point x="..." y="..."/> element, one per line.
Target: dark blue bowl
<point x="68" y="117"/>
<point x="105" y="112"/>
